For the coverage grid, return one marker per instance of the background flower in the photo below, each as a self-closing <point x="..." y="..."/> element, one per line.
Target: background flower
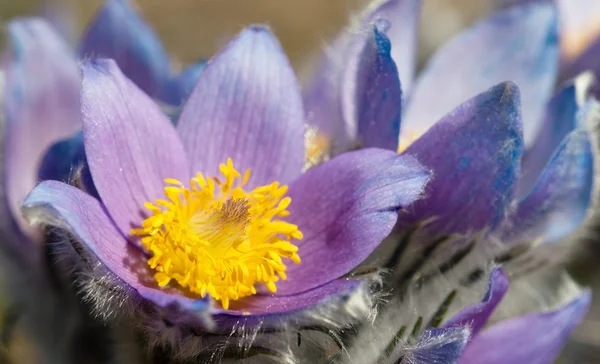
<point x="469" y="192"/>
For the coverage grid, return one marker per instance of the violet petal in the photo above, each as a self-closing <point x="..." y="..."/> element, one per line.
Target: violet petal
<point x="559" y="201"/>
<point x="273" y="305"/>
<point x="321" y="96"/>
<point x="330" y="96"/>
<point x="366" y="54"/>
<point x="131" y="146"/>
<point x="39" y="64"/>
<point x="403" y="18"/>
<point x="179" y="88"/>
<point x="345" y="208"/>
<point x="525" y="51"/>
<point x="66" y="162"/>
<point x="66" y="207"/>
<point x="378" y="94"/>
<point x="474" y="153"/>
<point x="477" y="315"/>
<point x="578" y="22"/>
<point x="559" y="120"/>
<point x="118" y="32"/>
<point x="536" y="338"/>
<point x="247" y="107"/>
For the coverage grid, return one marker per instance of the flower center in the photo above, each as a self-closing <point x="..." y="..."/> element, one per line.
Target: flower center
<point x="217" y="238"/>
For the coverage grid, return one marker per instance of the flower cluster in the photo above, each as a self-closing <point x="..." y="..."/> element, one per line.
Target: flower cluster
<point x="225" y="214"/>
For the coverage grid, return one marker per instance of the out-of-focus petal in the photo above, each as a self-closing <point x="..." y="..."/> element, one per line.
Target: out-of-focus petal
<point x="118" y="32"/>
<point x="532" y="339"/>
<point x="180" y="87"/>
<point x="345" y="208"/>
<point x="403" y="18"/>
<point x="559" y="120"/>
<point x="65" y="161"/>
<point x="474" y="153"/>
<point x="272" y="305"/>
<point x="558" y="203"/>
<point x="42" y="103"/>
<point x="578" y="20"/>
<point x="476" y="316"/>
<point x="247" y="107"/>
<point x="131" y="146"/>
<point x="378" y="97"/>
<point x="330" y="97"/>
<point x="321" y="96"/>
<point x="60" y="205"/>
<point x="525" y="51"/>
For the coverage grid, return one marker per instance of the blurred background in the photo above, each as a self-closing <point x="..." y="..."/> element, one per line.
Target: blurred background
<point x="196" y="29"/>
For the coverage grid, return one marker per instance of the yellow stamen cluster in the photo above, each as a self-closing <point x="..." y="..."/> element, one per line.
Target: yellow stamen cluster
<point x="216" y="238"/>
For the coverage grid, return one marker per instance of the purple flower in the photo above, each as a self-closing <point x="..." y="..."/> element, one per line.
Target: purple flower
<point x="503" y="191"/>
<point x="214" y="230"/>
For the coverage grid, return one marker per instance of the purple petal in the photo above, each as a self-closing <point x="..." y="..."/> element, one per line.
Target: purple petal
<point x="560" y="199"/>
<point x="66" y="207"/>
<point x="474" y="154"/>
<point x="39" y="64"/>
<point x="378" y="95"/>
<point x="403" y="18"/>
<point x="370" y="82"/>
<point x="322" y="94"/>
<point x="273" y="305"/>
<point x="131" y="146"/>
<point x="560" y="120"/>
<point x="66" y="161"/>
<point x="532" y="339"/>
<point x="345" y="208"/>
<point x="578" y="21"/>
<point x="247" y="107"/>
<point x="443" y="345"/>
<point x="118" y="32"/>
<point x="330" y="97"/>
<point x="180" y="87"/>
<point x="477" y="315"/>
<point x="525" y="51"/>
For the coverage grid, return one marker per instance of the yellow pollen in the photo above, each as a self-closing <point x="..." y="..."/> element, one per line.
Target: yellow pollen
<point x="317" y="147"/>
<point x="216" y="238"/>
<point x="406" y="139"/>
